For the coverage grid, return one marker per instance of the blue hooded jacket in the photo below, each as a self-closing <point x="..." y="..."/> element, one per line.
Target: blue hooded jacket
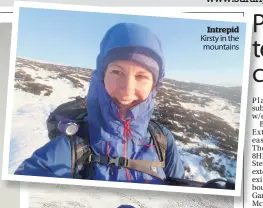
<point x="108" y="133"/>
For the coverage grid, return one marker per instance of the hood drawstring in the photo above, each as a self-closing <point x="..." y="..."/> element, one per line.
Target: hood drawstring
<point x="127" y="132"/>
<point x="146" y="145"/>
<point x="127" y="129"/>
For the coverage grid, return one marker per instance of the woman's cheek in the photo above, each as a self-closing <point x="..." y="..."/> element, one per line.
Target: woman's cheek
<point x="110" y="87"/>
<point x="146" y="89"/>
<point x="141" y="93"/>
<point x="112" y="83"/>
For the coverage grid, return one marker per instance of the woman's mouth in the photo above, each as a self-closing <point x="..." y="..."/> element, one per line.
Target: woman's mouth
<point x="124" y="103"/>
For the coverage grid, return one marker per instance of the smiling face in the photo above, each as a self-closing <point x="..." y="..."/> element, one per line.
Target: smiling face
<point x="128" y="83"/>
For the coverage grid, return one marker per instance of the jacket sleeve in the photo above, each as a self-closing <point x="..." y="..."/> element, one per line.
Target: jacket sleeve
<point x="51" y="160"/>
<point x="173" y="164"/>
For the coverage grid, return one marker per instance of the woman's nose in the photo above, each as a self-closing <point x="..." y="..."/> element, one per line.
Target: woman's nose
<point x="128" y="85"/>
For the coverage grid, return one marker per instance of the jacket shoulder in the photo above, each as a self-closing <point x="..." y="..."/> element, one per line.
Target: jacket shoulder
<point x="174" y="165"/>
<point x="168" y="134"/>
<point x="52" y="160"/>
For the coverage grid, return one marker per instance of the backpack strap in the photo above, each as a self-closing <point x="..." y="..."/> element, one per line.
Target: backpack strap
<point x="139" y="165"/>
<point x="80" y="153"/>
<point x="145" y="166"/>
<point x="159" y="139"/>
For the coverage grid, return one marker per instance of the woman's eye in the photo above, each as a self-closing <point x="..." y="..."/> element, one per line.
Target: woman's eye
<point x="116" y="72"/>
<point x="142" y="77"/>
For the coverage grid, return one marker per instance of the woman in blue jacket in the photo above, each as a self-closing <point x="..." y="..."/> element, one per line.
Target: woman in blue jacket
<point x="120" y="103"/>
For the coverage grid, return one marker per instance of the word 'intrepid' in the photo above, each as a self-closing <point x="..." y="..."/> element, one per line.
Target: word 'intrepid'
<point x="223" y="30"/>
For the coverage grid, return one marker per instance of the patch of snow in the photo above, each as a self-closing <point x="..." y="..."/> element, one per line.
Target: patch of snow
<point x="217" y="108"/>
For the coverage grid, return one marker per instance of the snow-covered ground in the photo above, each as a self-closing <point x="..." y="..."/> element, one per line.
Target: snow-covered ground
<point x="59" y="83"/>
<point x="30" y="112"/>
<point x="205" y="125"/>
<point x="46" y="195"/>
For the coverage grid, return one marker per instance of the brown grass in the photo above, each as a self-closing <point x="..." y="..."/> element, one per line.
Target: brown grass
<point x="34" y="88"/>
<point x="21" y="75"/>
